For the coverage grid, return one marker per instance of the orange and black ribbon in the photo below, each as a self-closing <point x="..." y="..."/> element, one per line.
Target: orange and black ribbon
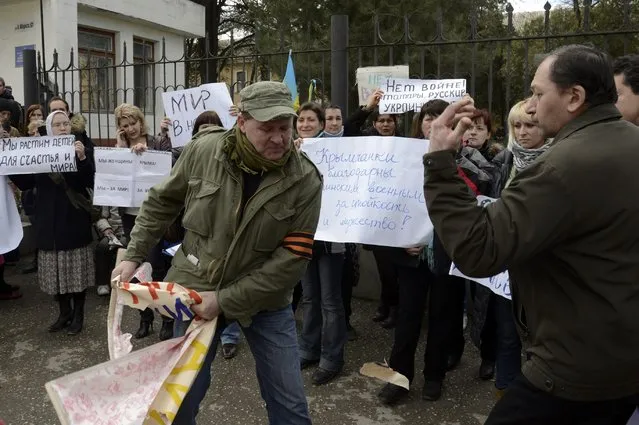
<point x="300" y="244"/>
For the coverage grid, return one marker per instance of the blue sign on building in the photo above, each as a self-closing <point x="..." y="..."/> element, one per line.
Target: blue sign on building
<point x="20" y="54"/>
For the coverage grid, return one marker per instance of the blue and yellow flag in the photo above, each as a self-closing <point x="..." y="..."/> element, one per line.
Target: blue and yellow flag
<point x="291" y="82"/>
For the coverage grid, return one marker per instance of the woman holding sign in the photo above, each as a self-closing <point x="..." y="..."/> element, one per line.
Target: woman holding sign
<point x="63" y="230"/>
<point x="132" y="133"/>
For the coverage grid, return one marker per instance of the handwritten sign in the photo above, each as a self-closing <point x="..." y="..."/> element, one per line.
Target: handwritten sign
<point x="123" y="178"/>
<point x="403" y="95"/>
<point x="373" y="190"/>
<point x="184" y="106"/>
<point x="33" y="155"/>
<point x="499" y="284"/>
<point x="370" y="78"/>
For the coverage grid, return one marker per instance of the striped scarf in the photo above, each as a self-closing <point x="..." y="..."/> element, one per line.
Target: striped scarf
<point x="523" y="157"/>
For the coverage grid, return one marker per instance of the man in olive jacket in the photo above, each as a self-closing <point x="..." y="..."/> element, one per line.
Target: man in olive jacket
<point x="252" y="204"/>
<point x="566" y="231"/>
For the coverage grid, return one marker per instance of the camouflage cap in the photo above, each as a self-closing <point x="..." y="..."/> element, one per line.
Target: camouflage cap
<point x="267" y="100"/>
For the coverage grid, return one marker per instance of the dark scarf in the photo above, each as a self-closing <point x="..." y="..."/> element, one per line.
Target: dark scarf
<point x="241" y="151"/>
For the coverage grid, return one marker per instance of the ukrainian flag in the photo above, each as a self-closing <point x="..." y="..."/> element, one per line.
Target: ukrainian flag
<point x="291" y="82"/>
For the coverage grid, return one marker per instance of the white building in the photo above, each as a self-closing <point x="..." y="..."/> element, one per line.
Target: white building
<point x="97" y="30"/>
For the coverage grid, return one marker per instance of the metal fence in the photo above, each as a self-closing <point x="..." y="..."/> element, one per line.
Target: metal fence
<point x="498" y="66"/>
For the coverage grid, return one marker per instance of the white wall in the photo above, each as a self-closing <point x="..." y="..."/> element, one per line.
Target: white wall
<point x="14" y="13"/>
<point x="180" y="16"/>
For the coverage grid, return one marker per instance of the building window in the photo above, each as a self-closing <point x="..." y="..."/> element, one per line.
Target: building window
<point x="143" y="73"/>
<point x="96" y="58"/>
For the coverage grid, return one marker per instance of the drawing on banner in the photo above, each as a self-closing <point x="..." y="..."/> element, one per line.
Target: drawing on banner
<point x="499" y="284"/>
<point x="183" y="107"/>
<point x="33" y="155"/>
<point x="123" y="178"/>
<point x="370" y="78"/>
<point x="373" y="190"/>
<point x="403" y="95"/>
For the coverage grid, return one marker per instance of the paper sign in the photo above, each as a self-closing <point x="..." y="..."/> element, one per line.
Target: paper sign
<point x="403" y="95"/>
<point x="10" y="222"/>
<point x="123" y="178"/>
<point x="370" y="79"/>
<point x="184" y="106"/>
<point x="33" y="155"/>
<point x="373" y="190"/>
<point x="499" y="284"/>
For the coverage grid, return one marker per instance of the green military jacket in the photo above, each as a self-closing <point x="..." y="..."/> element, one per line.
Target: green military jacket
<point x="565" y="230"/>
<point x="254" y="262"/>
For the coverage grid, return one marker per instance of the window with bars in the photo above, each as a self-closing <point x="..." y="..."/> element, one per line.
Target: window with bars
<point x="143" y="73"/>
<point x="96" y="59"/>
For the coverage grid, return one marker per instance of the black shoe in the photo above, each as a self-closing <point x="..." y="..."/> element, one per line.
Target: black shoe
<point x="351" y="333"/>
<point x="31" y="268"/>
<point x="144" y="330"/>
<point x="323" y="376"/>
<point x="486" y="370"/>
<point x="432" y="390"/>
<point x="66" y="313"/>
<point x="78" y="314"/>
<point x="166" y="332"/>
<point x="229" y="351"/>
<point x="391" y="394"/>
<point x="391" y="320"/>
<point x="381" y="314"/>
<point x="452" y="362"/>
<point x="304" y="364"/>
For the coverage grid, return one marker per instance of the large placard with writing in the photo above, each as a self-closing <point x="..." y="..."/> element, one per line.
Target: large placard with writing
<point x="373" y="190"/>
<point x="184" y="106"/>
<point x="403" y="95"/>
<point x="123" y="178"/>
<point x="370" y="78"/>
<point x="33" y="155"/>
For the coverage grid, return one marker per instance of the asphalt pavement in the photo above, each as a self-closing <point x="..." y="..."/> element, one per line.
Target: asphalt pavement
<point x="30" y="356"/>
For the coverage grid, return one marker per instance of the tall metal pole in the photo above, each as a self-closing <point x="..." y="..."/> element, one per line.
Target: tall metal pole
<point x="44" y="52"/>
<point x="339" y="61"/>
<point x="29" y="75"/>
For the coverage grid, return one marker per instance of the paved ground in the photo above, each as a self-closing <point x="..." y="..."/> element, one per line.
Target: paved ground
<point x="31" y="356"/>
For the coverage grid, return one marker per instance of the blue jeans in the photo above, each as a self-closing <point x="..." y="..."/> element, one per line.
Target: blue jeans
<point x="508" y="362"/>
<point x="324" y="329"/>
<point x="272" y="338"/>
<point x="231" y="334"/>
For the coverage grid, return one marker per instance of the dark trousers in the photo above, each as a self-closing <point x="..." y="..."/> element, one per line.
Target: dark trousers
<point x="523" y="404"/>
<point x="104" y="262"/>
<point x="347" y="296"/>
<point x="388" y="276"/>
<point x="445" y="325"/>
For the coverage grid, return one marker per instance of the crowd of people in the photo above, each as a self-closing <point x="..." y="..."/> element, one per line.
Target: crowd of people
<point x="244" y="204"/>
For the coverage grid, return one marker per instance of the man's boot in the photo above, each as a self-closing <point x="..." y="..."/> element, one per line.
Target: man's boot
<point x="78" y="313"/>
<point x="167" y="329"/>
<point x="66" y="313"/>
<point x="146" y="323"/>
<point x="391" y="320"/>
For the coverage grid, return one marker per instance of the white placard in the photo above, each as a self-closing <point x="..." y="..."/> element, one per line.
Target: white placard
<point x="370" y="78"/>
<point x="183" y="107"/>
<point x="33" y="155"/>
<point x="499" y="284"/>
<point x="403" y="95"/>
<point x="373" y="190"/>
<point x="10" y="222"/>
<point x="123" y="178"/>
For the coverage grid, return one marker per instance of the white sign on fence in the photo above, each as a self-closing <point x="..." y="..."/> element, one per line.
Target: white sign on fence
<point x="373" y="190"/>
<point x="370" y="78"/>
<point x="499" y="284"/>
<point x="33" y="155"/>
<point x="184" y="106"/>
<point x="123" y="178"/>
<point x="403" y="95"/>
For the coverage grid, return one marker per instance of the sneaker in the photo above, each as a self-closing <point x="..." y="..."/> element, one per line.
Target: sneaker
<point x="229" y="351"/>
<point x="104" y="290"/>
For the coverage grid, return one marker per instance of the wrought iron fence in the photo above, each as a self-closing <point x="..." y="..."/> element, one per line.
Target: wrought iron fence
<point x="498" y="66"/>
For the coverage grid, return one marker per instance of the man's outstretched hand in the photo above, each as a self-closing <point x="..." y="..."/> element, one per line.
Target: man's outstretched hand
<point x="447" y="130"/>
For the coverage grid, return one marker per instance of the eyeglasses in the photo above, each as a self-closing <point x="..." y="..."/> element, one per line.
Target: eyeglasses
<point x="61" y="124"/>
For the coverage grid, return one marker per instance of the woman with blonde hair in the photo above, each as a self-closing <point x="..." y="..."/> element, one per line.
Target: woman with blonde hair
<point x="132" y="133"/>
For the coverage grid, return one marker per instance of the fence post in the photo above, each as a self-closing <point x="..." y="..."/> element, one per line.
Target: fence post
<point x="30" y="77"/>
<point x="339" y="61"/>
